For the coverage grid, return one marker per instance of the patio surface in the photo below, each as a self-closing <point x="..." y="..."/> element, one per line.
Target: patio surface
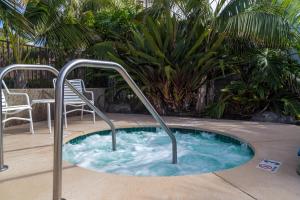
<point x="30" y="165"/>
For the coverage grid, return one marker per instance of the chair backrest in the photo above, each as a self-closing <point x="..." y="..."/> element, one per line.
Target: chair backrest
<point x="69" y="95"/>
<point x="4" y="102"/>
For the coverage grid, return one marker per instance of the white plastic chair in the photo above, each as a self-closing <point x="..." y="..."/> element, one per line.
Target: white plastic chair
<point x="8" y="109"/>
<point x="73" y="100"/>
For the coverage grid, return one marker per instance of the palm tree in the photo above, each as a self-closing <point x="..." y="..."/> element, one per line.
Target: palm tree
<point x="11" y="16"/>
<point x="16" y="28"/>
<point x="255" y="21"/>
<point x="55" y="24"/>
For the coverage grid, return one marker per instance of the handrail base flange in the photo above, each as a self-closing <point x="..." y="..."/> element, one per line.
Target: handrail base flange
<point x="3" y="168"/>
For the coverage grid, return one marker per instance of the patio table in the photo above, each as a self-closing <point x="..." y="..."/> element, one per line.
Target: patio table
<point x="48" y="102"/>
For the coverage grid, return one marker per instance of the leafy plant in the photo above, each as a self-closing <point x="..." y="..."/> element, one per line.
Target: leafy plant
<point x="170" y="59"/>
<point x="267" y="83"/>
<point x="180" y="46"/>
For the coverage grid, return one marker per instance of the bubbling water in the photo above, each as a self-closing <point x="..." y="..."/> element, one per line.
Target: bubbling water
<point x="147" y="153"/>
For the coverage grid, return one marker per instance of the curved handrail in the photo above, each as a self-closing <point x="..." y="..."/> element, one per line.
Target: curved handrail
<point x="58" y="140"/>
<point x="6" y="70"/>
<point x="101" y="114"/>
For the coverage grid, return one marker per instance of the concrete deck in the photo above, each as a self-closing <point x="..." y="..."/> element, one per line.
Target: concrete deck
<point x="30" y="166"/>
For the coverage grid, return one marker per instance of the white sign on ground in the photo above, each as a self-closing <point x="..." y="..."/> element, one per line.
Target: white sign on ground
<point x="269" y="165"/>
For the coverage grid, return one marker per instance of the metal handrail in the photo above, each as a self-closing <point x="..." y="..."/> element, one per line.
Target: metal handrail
<point x="10" y="68"/>
<point x="101" y="114"/>
<point x="59" y="93"/>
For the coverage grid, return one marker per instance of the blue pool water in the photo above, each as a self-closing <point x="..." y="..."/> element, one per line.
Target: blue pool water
<point x="147" y="152"/>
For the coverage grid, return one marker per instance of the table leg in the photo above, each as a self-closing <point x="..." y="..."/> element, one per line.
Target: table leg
<point x="49" y="116"/>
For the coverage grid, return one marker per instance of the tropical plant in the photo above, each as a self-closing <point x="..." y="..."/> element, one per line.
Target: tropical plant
<point x="180" y="45"/>
<point x="111" y="26"/>
<point x="269" y="82"/>
<point x="171" y="60"/>
<point x="268" y="79"/>
<point x="43" y="23"/>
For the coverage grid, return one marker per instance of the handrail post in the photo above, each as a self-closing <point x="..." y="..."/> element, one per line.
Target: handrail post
<point x="58" y="141"/>
<point x="3" y="167"/>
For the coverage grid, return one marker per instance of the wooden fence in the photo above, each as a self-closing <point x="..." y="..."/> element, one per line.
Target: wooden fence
<point x="36" y="55"/>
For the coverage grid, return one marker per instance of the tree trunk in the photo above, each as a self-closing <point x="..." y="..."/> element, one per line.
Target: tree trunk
<point x="210" y="96"/>
<point x="205" y="96"/>
<point x="201" y="98"/>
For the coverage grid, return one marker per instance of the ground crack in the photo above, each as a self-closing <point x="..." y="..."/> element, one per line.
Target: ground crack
<point x="233" y="185"/>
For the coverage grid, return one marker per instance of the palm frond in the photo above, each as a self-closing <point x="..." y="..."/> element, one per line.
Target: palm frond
<point x="53" y="27"/>
<point x="260" y="28"/>
<point x="13" y="5"/>
<point x="11" y="15"/>
<point x="235" y="7"/>
<point x="255" y="21"/>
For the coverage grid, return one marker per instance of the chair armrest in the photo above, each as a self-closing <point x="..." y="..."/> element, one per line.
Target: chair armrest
<point x="86" y="91"/>
<point x="21" y="94"/>
<point x="91" y="93"/>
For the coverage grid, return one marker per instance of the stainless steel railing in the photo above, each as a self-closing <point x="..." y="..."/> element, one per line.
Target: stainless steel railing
<point x="58" y="128"/>
<point x="10" y="68"/>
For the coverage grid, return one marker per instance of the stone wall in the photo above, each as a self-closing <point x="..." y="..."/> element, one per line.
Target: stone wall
<point x="39" y="111"/>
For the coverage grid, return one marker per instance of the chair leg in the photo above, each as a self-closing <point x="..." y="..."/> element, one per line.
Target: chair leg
<point x="82" y="107"/>
<point x="5" y="116"/>
<point x="31" y="122"/>
<point x="94" y="117"/>
<point x="65" y="113"/>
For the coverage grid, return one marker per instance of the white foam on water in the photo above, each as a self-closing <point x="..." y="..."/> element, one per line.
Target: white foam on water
<point x="143" y="153"/>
